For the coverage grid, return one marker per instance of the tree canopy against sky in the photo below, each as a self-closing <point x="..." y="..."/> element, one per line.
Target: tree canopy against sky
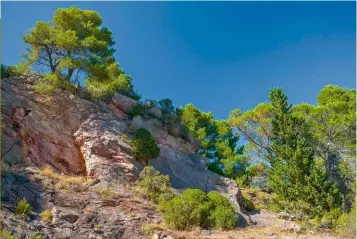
<point x="75" y="43"/>
<point x="241" y="50"/>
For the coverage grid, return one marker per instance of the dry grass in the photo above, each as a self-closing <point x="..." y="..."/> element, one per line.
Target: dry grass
<point x="106" y="193"/>
<point x="62" y="181"/>
<point x="243" y="233"/>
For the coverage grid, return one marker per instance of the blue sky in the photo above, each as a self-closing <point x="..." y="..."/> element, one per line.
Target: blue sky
<point x="216" y="55"/>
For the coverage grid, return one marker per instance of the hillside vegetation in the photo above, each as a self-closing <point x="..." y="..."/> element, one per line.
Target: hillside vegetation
<point x="302" y="156"/>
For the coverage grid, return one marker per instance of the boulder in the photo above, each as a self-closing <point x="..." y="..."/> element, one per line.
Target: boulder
<point x="156" y="112"/>
<point x="189" y="171"/>
<point x="124" y="103"/>
<point x="105" y="149"/>
<point x="174" y="130"/>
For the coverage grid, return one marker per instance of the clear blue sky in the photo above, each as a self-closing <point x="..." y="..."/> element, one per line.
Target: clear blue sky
<point x="216" y="55"/>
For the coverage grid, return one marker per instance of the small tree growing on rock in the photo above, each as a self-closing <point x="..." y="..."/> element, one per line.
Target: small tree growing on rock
<point x="154" y="186"/>
<point x="144" y="146"/>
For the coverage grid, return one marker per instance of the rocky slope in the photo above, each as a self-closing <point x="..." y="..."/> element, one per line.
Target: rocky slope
<point x="91" y="140"/>
<point x="72" y="135"/>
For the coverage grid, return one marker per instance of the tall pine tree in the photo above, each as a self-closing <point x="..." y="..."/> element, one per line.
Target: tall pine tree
<point x="298" y="178"/>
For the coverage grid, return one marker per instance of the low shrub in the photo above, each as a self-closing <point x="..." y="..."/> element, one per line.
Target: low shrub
<point x="144" y="146"/>
<point x="7" y="235"/>
<point x="196" y="208"/>
<point x="346" y="224"/>
<point x="23" y="208"/>
<point x="223" y="215"/>
<point x="15" y="70"/>
<point x="46" y="215"/>
<point x="189" y="209"/>
<point x="154" y="186"/>
<point x="136" y="110"/>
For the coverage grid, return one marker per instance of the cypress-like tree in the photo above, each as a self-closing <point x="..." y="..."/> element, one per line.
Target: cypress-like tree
<point x="296" y="176"/>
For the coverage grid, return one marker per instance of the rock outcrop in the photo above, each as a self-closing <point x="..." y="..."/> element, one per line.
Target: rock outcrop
<point x="103" y="141"/>
<point x="75" y="136"/>
<point x="39" y="130"/>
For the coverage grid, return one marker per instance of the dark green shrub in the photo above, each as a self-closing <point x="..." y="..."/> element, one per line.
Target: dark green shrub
<point x="144" y="146"/>
<point x="23" y="208"/>
<point x="154" y="186"/>
<point x="195" y="208"/>
<point x="166" y="106"/>
<point x="16" y="70"/>
<point x="137" y="110"/>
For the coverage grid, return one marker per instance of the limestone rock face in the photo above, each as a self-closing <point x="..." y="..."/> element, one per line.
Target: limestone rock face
<point x="76" y="136"/>
<point x="104" y="144"/>
<point x="124" y="103"/>
<point x="189" y="171"/>
<point x="38" y="129"/>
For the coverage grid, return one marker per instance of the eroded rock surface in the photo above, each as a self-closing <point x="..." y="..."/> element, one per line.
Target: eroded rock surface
<point x="38" y="130"/>
<point x="76" y="136"/>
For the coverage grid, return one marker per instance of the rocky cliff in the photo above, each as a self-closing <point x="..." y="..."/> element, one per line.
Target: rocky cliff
<point x="75" y="136"/>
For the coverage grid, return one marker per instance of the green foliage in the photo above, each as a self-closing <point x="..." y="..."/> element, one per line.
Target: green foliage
<point x="195" y="208"/>
<point x="223" y="215"/>
<point x="136" y="110"/>
<point x="346" y="224"/>
<point x="7" y="235"/>
<point x="144" y="146"/>
<point x="23" y="208"/>
<point x="154" y="186"/>
<point x="16" y="70"/>
<point x="255" y="126"/>
<point x="75" y="43"/>
<point x="295" y="175"/>
<point x="333" y="128"/>
<point x="247" y="204"/>
<point x="35" y="236"/>
<point x="46" y="215"/>
<point x="218" y="141"/>
<point x="166" y="106"/>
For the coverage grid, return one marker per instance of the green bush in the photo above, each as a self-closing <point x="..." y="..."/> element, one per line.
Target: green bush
<point x="23" y="208"/>
<point x="7" y="235"/>
<point x="154" y="186"/>
<point x="46" y="215"/>
<point x="189" y="209"/>
<point x="144" y="146"/>
<point x="137" y="110"/>
<point x="195" y="208"/>
<point x="346" y="224"/>
<point x="223" y="217"/>
<point x="16" y="70"/>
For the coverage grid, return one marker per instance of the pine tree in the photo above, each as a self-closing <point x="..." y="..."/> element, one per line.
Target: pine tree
<point x="296" y="176"/>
